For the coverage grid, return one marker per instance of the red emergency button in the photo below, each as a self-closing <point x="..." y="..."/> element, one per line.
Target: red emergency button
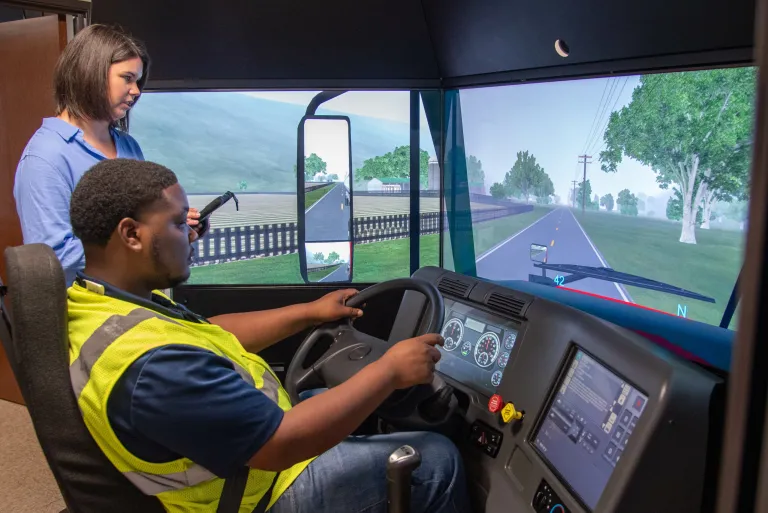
<point x="495" y="404"/>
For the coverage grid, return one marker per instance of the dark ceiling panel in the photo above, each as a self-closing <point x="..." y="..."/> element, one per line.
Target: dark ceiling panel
<point x="490" y="36"/>
<point x="280" y="40"/>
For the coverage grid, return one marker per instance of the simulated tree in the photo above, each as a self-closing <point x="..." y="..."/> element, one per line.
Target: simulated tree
<point x="692" y="129"/>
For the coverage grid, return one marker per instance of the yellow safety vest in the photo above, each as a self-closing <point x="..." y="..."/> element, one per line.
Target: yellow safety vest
<point x="106" y="335"/>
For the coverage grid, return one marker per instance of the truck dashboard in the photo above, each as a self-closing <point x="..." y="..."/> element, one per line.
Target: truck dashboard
<point x="561" y="411"/>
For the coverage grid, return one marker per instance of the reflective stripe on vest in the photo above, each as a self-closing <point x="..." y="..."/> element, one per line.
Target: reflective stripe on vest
<point x="80" y="372"/>
<point x="154" y="484"/>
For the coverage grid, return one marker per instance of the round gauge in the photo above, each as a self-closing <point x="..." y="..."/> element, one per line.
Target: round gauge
<point x="509" y="340"/>
<point x="496" y="378"/>
<point x="503" y="359"/>
<point x="452" y="333"/>
<point x="466" y="348"/>
<point x="487" y="349"/>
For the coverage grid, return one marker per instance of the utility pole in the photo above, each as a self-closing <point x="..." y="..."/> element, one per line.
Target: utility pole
<point x="584" y="182"/>
<point x="574" y="193"/>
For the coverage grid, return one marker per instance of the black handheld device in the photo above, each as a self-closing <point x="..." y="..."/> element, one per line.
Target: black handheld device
<point x="211" y="207"/>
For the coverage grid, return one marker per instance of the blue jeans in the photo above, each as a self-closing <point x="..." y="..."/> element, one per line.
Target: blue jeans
<point x="351" y="477"/>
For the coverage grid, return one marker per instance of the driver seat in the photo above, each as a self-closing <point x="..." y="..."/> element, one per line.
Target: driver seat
<point x="39" y="353"/>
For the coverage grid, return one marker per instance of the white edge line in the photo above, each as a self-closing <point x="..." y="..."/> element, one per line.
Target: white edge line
<point x="600" y="257"/>
<point x="500" y="244"/>
<point x="327" y="275"/>
<point x="321" y="199"/>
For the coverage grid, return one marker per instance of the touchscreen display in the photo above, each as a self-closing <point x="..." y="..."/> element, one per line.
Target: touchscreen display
<point x="477" y="346"/>
<point x="587" y="426"/>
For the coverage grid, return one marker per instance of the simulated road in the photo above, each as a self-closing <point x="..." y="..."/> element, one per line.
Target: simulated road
<point x="566" y="242"/>
<point x="328" y="219"/>
<point x="339" y="274"/>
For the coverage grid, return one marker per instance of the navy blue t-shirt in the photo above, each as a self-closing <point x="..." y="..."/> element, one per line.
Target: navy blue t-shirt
<point x="180" y="400"/>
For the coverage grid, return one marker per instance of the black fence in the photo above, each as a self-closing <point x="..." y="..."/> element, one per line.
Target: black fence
<point x="473" y="196"/>
<point x="246" y="242"/>
<point x="314" y="268"/>
<point x="379" y="228"/>
<point x="314" y="186"/>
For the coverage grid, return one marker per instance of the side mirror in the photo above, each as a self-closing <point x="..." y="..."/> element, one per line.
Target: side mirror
<point x="324" y="185"/>
<point x="539" y="253"/>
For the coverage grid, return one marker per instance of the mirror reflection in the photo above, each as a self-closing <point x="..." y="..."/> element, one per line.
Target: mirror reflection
<point x="327" y="167"/>
<point x="328" y="261"/>
<point x="539" y="253"/>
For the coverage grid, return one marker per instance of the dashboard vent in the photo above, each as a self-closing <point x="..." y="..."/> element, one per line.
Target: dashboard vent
<point x="453" y="287"/>
<point x="506" y="304"/>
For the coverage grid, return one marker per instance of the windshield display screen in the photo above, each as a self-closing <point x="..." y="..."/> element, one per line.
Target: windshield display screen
<point x="630" y="188"/>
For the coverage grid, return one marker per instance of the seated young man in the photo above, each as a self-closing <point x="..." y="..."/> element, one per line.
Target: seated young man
<point x="178" y="402"/>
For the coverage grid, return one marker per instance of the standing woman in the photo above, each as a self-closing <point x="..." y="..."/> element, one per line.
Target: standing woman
<point x="98" y="79"/>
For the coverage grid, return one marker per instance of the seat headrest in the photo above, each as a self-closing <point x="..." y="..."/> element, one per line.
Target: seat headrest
<point x="88" y="481"/>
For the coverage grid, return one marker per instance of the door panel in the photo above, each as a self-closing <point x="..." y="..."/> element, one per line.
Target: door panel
<point x="379" y="315"/>
<point x="28" y="53"/>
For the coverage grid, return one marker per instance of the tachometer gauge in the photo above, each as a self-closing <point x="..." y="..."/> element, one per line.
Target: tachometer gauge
<point x="452" y="333"/>
<point x="509" y="340"/>
<point x="487" y="349"/>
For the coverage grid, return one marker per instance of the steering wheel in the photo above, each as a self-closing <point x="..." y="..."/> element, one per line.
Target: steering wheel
<point x="351" y="350"/>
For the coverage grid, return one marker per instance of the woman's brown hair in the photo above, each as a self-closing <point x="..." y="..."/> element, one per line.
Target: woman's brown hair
<point x="81" y="78"/>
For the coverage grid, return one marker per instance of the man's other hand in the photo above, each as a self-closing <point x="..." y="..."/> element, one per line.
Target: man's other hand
<point x="412" y="361"/>
<point x="192" y="217"/>
<point x="193" y="220"/>
<point x="332" y="306"/>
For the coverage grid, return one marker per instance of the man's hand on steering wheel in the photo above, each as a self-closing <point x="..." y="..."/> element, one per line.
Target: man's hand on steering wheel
<point x="332" y="307"/>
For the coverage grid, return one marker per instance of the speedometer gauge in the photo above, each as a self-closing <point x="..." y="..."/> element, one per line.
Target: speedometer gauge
<point x="452" y="332"/>
<point x="487" y="349"/>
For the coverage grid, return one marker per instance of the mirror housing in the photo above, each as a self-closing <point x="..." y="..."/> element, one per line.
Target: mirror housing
<point x="324" y="200"/>
<point x="539" y="253"/>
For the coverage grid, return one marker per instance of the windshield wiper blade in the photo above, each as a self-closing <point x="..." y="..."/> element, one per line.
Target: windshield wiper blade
<point x="579" y="272"/>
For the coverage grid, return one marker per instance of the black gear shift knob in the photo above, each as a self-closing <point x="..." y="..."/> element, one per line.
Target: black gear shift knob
<point x="400" y="466"/>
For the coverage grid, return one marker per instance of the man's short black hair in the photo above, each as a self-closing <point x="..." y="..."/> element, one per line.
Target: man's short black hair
<point x="112" y="190"/>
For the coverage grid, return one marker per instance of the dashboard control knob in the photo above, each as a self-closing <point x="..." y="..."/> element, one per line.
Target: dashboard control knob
<point x="495" y="403"/>
<point x="509" y="412"/>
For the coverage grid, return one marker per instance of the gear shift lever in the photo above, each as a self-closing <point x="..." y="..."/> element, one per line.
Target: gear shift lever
<point x="400" y="466"/>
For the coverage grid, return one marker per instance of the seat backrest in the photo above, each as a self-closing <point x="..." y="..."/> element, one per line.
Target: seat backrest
<point x="39" y="350"/>
<point x="5" y="330"/>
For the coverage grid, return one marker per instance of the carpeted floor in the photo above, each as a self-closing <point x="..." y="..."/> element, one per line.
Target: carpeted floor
<point x="26" y="482"/>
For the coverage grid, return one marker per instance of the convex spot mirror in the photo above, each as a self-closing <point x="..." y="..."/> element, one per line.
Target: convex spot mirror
<point x="328" y="261"/>
<point x="325" y="208"/>
<point x="539" y="253"/>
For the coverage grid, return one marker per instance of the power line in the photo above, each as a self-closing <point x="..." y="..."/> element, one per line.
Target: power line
<point x="596" y="134"/>
<point x="594" y="120"/>
<point x="645" y="99"/>
<point x="608" y="118"/>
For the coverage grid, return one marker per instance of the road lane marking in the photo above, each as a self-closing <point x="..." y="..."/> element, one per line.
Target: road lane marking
<point x="552" y="244"/>
<point x="500" y="244"/>
<point x="618" y="287"/>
